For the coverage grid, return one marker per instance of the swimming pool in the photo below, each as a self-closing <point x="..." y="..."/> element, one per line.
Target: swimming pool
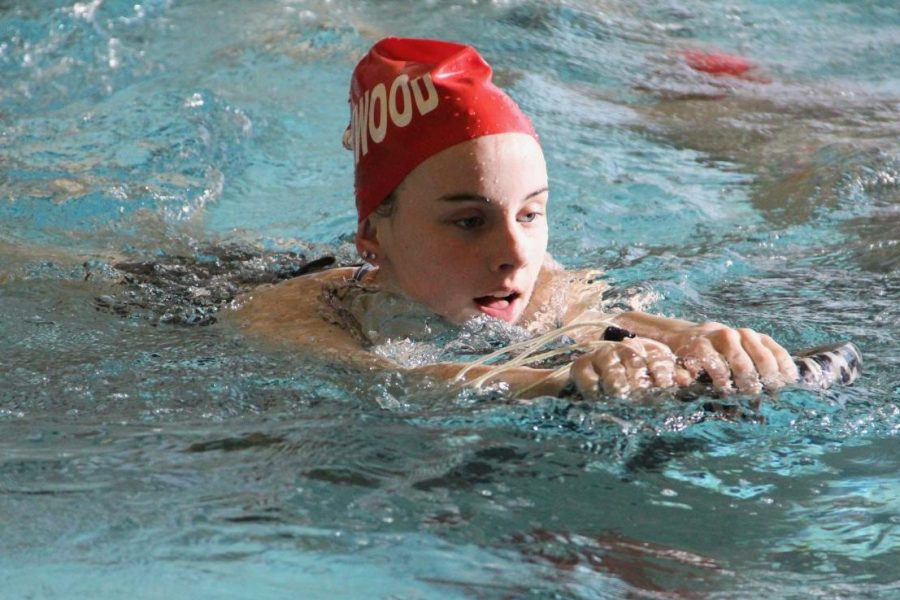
<point x="141" y="456"/>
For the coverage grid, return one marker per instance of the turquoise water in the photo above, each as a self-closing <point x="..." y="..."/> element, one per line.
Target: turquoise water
<point x="143" y="458"/>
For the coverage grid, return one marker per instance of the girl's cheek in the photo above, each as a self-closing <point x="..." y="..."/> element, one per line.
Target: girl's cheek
<point x="451" y="249"/>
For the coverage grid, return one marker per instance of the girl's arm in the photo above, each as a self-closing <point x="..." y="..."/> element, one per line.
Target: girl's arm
<point x="521" y="382"/>
<point x="733" y="358"/>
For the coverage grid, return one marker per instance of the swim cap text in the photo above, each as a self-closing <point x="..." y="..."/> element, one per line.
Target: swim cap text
<point x="369" y="117"/>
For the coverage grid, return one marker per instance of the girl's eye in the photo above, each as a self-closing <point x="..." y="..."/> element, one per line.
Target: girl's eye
<point x="469" y="222"/>
<point x="529" y="217"/>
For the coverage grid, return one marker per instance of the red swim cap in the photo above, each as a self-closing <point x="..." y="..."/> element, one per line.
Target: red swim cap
<point x="412" y="98"/>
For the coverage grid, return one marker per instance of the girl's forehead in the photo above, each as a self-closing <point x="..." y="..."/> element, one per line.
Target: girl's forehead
<point x="503" y="159"/>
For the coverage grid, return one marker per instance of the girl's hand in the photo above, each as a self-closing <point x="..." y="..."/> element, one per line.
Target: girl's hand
<point x="733" y="358"/>
<point x="623" y="367"/>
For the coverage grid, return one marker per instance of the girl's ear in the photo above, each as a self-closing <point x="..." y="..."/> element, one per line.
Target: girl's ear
<point x="367" y="241"/>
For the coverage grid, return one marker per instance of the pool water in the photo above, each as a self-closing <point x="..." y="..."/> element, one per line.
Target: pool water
<point x="145" y="455"/>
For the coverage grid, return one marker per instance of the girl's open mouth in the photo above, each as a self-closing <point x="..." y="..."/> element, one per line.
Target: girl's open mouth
<point x="499" y="307"/>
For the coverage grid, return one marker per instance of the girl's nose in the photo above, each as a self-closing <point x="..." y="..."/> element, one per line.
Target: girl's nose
<point x="510" y="249"/>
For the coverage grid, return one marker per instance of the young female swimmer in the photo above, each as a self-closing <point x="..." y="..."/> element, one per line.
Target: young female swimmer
<point x="452" y="197"/>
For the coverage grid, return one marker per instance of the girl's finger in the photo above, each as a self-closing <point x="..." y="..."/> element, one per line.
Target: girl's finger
<point x="634" y="359"/>
<point x="700" y="356"/>
<point x="585" y="376"/>
<point x="682" y="377"/>
<point x="762" y="357"/>
<point x="613" y="374"/>
<point x="661" y="366"/>
<point x="729" y="344"/>
<point x="660" y="363"/>
<point x="786" y="365"/>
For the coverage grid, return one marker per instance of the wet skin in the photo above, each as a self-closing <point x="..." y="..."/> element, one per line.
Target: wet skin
<point x="468" y="234"/>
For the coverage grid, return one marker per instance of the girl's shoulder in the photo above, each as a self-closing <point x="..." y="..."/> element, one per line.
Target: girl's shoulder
<point x="294" y="298"/>
<point x="290" y="314"/>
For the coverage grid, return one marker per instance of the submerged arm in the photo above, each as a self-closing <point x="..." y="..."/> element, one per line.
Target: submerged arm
<point x="521" y="382"/>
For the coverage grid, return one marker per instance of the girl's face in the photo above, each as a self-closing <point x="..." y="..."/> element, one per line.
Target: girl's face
<point x="468" y="233"/>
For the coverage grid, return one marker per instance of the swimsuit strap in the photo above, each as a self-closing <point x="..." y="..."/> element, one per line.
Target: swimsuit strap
<point x="361" y="271"/>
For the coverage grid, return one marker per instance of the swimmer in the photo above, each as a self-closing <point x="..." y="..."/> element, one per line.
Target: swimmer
<point x="452" y="199"/>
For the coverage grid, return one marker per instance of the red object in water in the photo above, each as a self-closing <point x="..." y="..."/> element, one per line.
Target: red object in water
<point x="718" y="63"/>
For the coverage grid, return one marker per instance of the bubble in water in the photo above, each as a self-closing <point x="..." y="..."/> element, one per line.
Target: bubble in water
<point x="195" y="100"/>
<point x="86" y="10"/>
<point x="114" y="59"/>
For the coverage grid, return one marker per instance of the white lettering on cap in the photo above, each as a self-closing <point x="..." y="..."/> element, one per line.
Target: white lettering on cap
<point x="379" y="96"/>
<point x="369" y="117"/>
<point x="425" y="106"/>
<point x="359" y="114"/>
<point x="400" y="119"/>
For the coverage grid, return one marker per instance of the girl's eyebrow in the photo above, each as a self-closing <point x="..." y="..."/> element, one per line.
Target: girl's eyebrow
<point x="465" y="197"/>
